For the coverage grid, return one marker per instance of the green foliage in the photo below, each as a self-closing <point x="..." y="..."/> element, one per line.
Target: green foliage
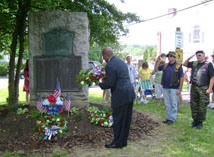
<point x="35" y="114"/>
<point x="95" y="52"/>
<point x="74" y="110"/>
<point x="3" y="69"/>
<point x="21" y="111"/>
<point x="105" y="20"/>
<point x="148" y="52"/>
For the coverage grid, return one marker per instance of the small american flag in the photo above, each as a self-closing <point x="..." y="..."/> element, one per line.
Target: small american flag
<point x="57" y="92"/>
<point x="67" y="103"/>
<point x="39" y="104"/>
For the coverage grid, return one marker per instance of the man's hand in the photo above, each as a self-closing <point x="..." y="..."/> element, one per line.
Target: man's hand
<point x="178" y="92"/>
<point x="208" y="91"/>
<point x="159" y="58"/>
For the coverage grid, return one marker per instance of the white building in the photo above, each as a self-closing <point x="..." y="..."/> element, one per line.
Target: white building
<point x="196" y="25"/>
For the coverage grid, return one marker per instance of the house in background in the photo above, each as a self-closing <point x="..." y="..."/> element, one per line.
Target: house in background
<point x="196" y="27"/>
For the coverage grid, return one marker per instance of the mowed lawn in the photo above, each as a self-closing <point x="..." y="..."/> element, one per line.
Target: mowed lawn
<point x="167" y="140"/>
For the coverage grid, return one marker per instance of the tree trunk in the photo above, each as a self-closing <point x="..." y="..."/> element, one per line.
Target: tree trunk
<point x="11" y="81"/>
<point x="19" y="33"/>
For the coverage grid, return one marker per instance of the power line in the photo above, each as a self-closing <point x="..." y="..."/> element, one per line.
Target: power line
<point x="157" y="17"/>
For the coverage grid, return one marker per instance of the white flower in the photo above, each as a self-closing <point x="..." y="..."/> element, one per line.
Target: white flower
<point x="46" y="102"/>
<point x="58" y="101"/>
<point x="57" y="119"/>
<point x="106" y="123"/>
<point x="82" y="82"/>
<point x="110" y="124"/>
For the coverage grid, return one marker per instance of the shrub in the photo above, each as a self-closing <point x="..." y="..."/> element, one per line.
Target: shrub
<point x="3" y="69"/>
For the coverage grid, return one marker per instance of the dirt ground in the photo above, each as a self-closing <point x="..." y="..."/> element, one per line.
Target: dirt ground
<point x="17" y="132"/>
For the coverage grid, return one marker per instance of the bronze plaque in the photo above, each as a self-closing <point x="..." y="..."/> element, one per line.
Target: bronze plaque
<point x="58" y="42"/>
<point x="48" y="69"/>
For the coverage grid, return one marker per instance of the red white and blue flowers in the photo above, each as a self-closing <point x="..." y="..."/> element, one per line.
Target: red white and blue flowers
<point x="52" y="105"/>
<point x="52" y="124"/>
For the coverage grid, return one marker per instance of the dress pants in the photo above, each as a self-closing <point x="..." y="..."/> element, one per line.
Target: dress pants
<point x="122" y="120"/>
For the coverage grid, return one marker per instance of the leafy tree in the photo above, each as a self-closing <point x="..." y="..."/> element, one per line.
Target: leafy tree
<point x="149" y="54"/>
<point x="105" y="21"/>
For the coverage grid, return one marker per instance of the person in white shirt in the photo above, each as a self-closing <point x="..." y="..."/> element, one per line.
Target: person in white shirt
<point x="131" y="69"/>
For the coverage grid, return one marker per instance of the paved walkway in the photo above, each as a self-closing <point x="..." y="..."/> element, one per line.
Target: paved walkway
<point x="4" y="82"/>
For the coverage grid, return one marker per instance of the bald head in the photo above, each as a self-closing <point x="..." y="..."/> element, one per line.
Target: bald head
<point x="107" y="53"/>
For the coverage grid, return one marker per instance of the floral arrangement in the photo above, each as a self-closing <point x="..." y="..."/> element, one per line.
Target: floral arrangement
<point x="51" y="125"/>
<point x="52" y="104"/>
<point x="90" y="76"/>
<point x="100" y="117"/>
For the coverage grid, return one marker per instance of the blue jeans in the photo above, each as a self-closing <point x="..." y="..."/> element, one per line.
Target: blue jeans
<point x="171" y="102"/>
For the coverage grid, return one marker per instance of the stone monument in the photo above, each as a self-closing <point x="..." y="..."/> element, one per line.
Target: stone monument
<point x="58" y="49"/>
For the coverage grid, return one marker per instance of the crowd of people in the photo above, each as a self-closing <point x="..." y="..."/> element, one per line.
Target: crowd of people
<point x="168" y="84"/>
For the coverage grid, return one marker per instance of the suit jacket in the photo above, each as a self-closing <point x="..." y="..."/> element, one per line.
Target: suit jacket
<point x="117" y="79"/>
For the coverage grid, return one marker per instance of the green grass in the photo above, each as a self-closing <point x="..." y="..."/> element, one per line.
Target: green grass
<point x="169" y="140"/>
<point x="96" y="97"/>
<point x="4" y="96"/>
<point x="182" y="140"/>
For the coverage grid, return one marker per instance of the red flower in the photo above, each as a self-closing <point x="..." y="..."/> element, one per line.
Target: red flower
<point x="91" y="78"/>
<point x="49" y="117"/>
<point x="84" y="79"/>
<point x="43" y="122"/>
<point x="39" y="126"/>
<point x="98" y="76"/>
<point x="51" y="98"/>
<point x="47" y="109"/>
<point x="101" y="121"/>
<point x="89" y="115"/>
<point x="60" y="121"/>
<point x="60" y="109"/>
<point x="41" y="130"/>
<point x="95" y="115"/>
<point x="61" y="125"/>
<point x="108" y="115"/>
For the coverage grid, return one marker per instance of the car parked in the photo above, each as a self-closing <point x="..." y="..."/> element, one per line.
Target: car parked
<point x="93" y="64"/>
<point x="21" y="75"/>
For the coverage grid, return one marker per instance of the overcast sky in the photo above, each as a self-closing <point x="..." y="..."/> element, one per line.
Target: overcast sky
<point x="145" y="33"/>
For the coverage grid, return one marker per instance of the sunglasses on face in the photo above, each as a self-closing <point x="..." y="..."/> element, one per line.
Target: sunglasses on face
<point x="199" y="55"/>
<point x="170" y="56"/>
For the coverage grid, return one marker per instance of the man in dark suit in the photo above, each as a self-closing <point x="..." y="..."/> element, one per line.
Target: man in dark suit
<point x="122" y="91"/>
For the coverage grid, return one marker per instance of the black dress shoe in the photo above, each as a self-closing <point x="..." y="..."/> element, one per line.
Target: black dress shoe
<point x="165" y="121"/>
<point x="112" y="146"/>
<point x="170" y="122"/>
<point x="193" y="124"/>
